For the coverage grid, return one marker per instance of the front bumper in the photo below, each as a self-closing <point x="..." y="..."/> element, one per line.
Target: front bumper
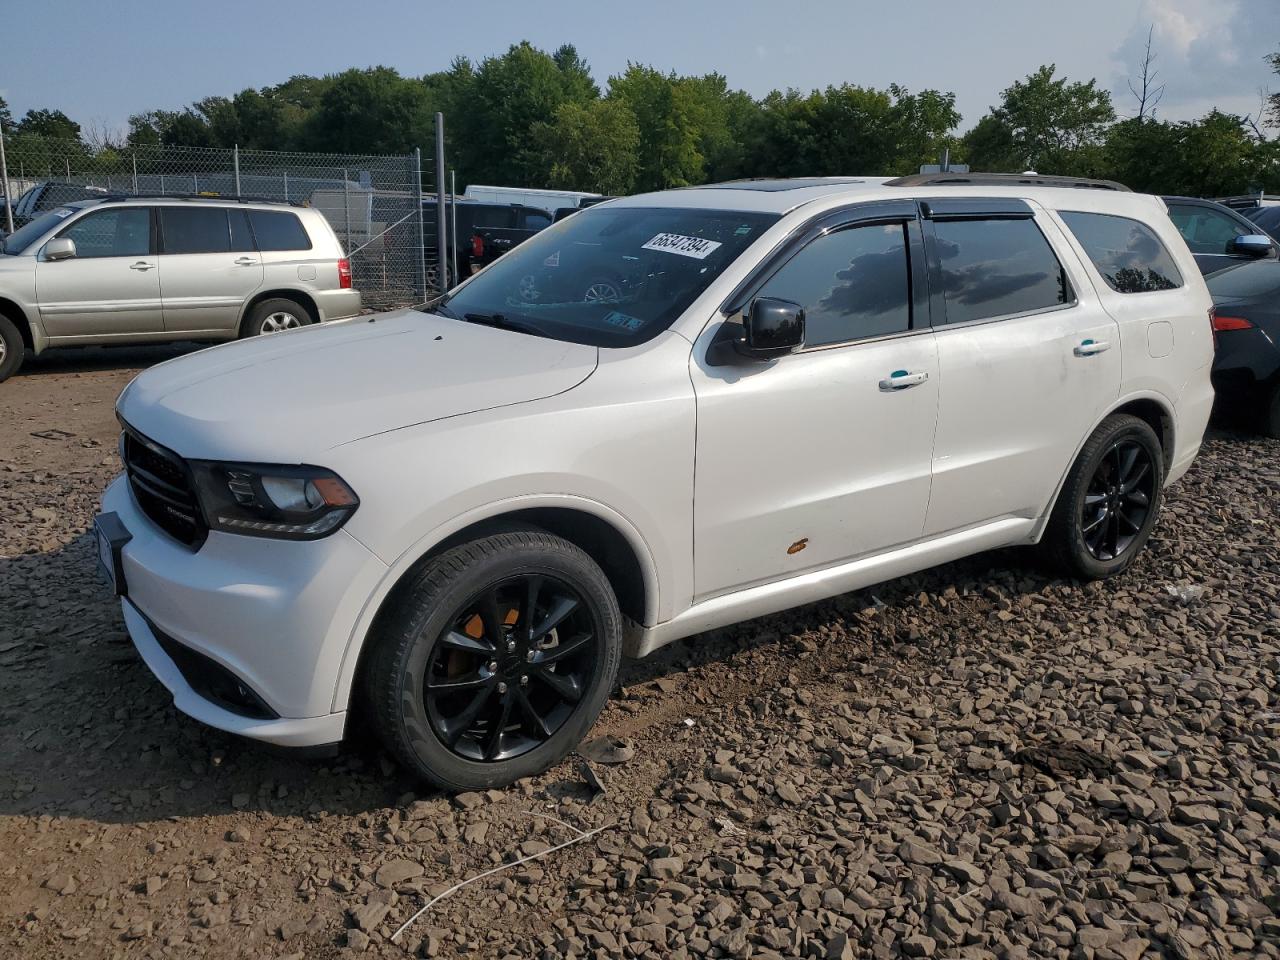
<point x="277" y="615"/>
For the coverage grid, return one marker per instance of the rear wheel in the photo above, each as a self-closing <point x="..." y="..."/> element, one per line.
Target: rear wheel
<point x="275" y="316"/>
<point x="495" y="660"/>
<point x="11" y="348"/>
<point x="1110" y="502"/>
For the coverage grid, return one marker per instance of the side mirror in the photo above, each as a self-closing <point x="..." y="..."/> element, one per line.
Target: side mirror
<point x="773" y="328"/>
<point x="1251" y="245"/>
<point x="60" y="248"/>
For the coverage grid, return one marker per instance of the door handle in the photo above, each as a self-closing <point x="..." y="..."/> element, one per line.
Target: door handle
<point x="901" y="380"/>
<point x="142" y="265"/>
<point x="246" y="262"/>
<point x="1091" y="348"/>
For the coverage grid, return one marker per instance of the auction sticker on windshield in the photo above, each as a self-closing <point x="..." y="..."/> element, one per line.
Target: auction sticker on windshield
<point x="694" y="247"/>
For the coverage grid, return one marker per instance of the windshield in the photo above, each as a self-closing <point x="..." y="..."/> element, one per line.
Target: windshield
<point x="22" y="238"/>
<point x="1246" y="281"/>
<point x="609" y="276"/>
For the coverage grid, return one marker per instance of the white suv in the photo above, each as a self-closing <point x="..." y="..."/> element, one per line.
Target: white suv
<point x="138" y="270"/>
<point x="466" y="514"/>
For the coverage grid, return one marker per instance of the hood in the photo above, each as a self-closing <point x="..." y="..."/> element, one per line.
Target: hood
<point x="288" y="397"/>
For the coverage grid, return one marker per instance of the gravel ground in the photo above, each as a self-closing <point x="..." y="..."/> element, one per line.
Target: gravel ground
<point x="977" y="761"/>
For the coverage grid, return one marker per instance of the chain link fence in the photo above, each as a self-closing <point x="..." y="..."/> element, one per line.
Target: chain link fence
<point x="373" y="203"/>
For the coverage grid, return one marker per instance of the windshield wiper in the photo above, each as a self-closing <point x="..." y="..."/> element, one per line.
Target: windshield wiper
<point x="502" y="322"/>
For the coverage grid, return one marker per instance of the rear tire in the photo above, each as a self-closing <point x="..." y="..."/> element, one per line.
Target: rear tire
<point x="1270" y="420"/>
<point x="468" y="690"/>
<point x="275" y="316"/>
<point x="1109" y="503"/>
<point x="12" y="349"/>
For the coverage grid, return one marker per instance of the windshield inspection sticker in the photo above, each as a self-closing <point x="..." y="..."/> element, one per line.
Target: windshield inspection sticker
<point x="694" y="247"/>
<point x="616" y="319"/>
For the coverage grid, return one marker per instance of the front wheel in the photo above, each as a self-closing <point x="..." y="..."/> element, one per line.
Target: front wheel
<point x="1110" y="502"/>
<point x="494" y="660"/>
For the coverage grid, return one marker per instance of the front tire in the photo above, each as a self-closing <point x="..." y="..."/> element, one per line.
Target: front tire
<point x="11" y="349"/>
<point x="494" y="660"/>
<point x="1110" y="502"/>
<point x="1270" y="420"/>
<point x="275" y="316"/>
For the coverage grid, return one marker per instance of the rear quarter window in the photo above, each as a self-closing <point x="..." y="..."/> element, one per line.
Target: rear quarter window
<point x="1127" y="253"/>
<point x="278" y="230"/>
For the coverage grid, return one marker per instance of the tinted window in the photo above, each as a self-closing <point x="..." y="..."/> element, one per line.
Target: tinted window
<point x="1246" y="281"/>
<point x="610" y="276"/>
<point x="119" y="232"/>
<point x="1205" y="230"/>
<point x="277" y="230"/>
<point x="995" y="268"/>
<point x="536" y="220"/>
<point x="482" y="218"/>
<point x="241" y="238"/>
<point x="1268" y="218"/>
<point x="195" y="230"/>
<point x="1128" y="255"/>
<point x="852" y="284"/>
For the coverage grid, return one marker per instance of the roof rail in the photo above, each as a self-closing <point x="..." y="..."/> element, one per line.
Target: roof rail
<point x="1003" y="179"/>
<point x="212" y="197"/>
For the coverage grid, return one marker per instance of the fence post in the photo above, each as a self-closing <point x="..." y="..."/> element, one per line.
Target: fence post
<point x="4" y="176"/>
<point x="235" y="159"/>
<point x="453" y="208"/>
<point x="346" y="205"/>
<point x="134" y="156"/>
<point x="286" y="185"/>
<point x="67" y="161"/>
<point x="421" y="252"/>
<point x="442" y="224"/>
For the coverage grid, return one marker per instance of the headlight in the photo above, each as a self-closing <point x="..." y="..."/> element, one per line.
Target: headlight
<point x="289" y="503"/>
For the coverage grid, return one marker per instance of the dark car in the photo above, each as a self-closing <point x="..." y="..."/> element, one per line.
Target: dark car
<point x="1268" y="218"/>
<point x="501" y="226"/>
<point x="48" y="195"/>
<point x="1217" y="235"/>
<point x="1246" y="324"/>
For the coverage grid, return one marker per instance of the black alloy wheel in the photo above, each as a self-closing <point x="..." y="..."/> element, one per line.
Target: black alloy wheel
<point x="1118" y="500"/>
<point x="510" y="668"/>
<point x="1109" y="501"/>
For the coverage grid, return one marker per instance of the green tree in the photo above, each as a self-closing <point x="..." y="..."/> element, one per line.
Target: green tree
<point x="6" y="118"/>
<point x="508" y="97"/>
<point x="591" y="146"/>
<point x="670" y="114"/>
<point x="53" y="124"/>
<point x="1273" y="99"/>
<point x="369" y="111"/>
<point x="1044" y="123"/>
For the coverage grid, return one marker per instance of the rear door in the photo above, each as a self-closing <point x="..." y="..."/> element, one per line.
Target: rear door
<point x="111" y="286"/>
<point x="1028" y="359"/>
<point x="209" y="267"/>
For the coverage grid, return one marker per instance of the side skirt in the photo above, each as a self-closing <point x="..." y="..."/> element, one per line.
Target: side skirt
<point x="816" y="585"/>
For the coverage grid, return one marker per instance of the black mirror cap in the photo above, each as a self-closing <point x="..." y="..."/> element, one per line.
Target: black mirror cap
<point x="773" y="328"/>
<point x="1252" y="245"/>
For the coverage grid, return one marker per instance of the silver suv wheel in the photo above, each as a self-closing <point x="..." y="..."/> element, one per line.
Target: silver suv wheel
<point x="279" y="320"/>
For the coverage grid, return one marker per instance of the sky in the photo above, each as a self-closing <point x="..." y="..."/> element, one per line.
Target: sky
<point x="149" y="54"/>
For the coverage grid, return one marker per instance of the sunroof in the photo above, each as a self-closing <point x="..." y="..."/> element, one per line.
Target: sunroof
<point x="775" y="186"/>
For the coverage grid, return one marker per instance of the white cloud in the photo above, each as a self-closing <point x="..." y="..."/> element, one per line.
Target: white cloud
<point x="1209" y="53"/>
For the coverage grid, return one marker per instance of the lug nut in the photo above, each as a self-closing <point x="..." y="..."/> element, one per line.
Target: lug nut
<point x="511" y="645"/>
<point x="530" y="655"/>
<point x="492" y="666"/>
<point x="502" y="688"/>
<point x="524" y="681"/>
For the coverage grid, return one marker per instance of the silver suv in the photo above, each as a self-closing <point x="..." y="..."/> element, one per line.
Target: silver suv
<point x="137" y="270"/>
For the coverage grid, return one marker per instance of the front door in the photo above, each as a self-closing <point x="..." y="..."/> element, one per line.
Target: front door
<point x="1029" y="361"/>
<point x="822" y="455"/>
<point x="210" y="267"/>
<point x="111" y="287"/>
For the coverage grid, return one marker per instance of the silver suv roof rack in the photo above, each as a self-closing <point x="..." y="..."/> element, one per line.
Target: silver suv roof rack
<point x="1003" y="180"/>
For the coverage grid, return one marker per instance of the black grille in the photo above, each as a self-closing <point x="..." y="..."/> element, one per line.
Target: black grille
<point x="162" y="486"/>
<point x="213" y="681"/>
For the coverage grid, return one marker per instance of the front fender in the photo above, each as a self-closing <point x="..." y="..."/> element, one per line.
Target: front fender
<point x="490" y="511"/>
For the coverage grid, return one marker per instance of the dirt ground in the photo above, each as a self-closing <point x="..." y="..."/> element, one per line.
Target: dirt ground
<point x="977" y="761"/>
